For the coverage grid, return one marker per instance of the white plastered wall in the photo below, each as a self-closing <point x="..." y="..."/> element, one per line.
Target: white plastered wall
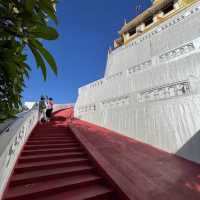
<point x="151" y="88"/>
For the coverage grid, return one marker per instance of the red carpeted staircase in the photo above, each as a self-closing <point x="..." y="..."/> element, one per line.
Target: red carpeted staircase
<point x="55" y="166"/>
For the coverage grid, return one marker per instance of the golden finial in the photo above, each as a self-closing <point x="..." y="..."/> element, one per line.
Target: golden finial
<point x="155" y="1"/>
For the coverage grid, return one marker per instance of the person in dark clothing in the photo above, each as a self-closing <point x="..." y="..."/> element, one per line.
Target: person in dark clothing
<point x="42" y="110"/>
<point x="49" y="110"/>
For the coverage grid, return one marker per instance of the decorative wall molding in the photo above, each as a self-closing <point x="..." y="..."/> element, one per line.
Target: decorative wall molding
<point x="180" y="51"/>
<point x="164" y="92"/>
<point x="114" y="76"/>
<point x="96" y="83"/>
<point x="169" y="56"/>
<point x="140" y="67"/>
<point x="86" y="109"/>
<point x="116" y="102"/>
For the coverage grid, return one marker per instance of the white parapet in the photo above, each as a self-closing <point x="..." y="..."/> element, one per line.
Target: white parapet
<point x="151" y="88"/>
<point x="11" y="142"/>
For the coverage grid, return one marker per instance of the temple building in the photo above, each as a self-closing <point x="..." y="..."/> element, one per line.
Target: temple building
<point x="160" y="11"/>
<point x="121" y="139"/>
<point x="150" y="91"/>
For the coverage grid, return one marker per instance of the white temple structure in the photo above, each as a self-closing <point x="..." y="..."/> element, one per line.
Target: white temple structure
<point x="151" y="88"/>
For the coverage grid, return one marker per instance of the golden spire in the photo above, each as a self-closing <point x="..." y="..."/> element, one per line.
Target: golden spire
<point x="156" y="1"/>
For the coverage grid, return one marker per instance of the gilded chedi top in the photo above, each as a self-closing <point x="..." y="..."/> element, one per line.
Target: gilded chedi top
<point x="160" y="11"/>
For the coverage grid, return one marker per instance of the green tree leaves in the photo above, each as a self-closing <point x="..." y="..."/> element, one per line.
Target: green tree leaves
<point x="49" y="9"/>
<point x="39" y="60"/>
<point x="48" y="57"/>
<point x="44" y="32"/>
<point x="29" y="5"/>
<point x="23" y="23"/>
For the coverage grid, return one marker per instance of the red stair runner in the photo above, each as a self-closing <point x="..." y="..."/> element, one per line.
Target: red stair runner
<point x="55" y="166"/>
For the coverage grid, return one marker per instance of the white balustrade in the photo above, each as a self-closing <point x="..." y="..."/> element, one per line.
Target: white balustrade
<point x="11" y="143"/>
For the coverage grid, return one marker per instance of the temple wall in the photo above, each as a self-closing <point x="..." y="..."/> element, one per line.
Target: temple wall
<point x="168" y="35"/>
<point x="151" y="88"/>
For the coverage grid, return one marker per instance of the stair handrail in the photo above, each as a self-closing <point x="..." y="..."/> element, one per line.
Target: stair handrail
<point x="12" y="140"/>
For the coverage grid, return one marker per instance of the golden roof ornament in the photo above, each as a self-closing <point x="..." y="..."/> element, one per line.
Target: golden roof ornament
<point x="156" y="1"/>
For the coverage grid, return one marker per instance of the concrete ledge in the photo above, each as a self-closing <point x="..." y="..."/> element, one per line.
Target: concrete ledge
<point x="12" y="142"/>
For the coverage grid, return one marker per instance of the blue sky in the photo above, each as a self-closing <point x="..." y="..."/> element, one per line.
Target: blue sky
<point x="87" y="28"/>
